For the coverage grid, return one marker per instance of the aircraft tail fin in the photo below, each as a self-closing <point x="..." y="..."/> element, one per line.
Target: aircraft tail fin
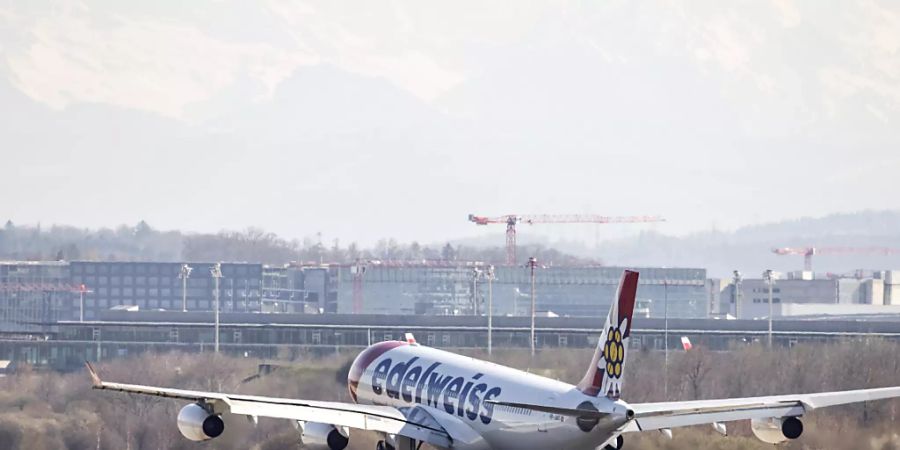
<point x="604" y="375"/>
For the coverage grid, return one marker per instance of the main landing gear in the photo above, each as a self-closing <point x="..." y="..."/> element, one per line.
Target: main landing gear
<point x="398" y="443"/>
<point x="618" y="445"/>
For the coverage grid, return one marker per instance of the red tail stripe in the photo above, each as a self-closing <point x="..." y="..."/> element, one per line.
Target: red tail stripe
<point x="627" y="295"/>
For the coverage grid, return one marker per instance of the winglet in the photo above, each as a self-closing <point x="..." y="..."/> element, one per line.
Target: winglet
<point x="96" y="382"/>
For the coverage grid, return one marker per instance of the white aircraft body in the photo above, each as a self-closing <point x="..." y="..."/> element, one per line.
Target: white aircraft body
<point x="412" y="394"/>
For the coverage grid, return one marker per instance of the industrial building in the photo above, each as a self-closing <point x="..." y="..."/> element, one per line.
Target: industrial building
<point x="801" y="294"/>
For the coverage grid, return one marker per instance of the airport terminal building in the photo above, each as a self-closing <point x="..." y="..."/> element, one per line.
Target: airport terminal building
<point x="66" y="345"/>
<point x="43" y="292"/>
<point x="58" y="314"/>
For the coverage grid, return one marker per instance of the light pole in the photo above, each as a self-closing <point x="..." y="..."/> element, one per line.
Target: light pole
<point x="337" y="342"/>
<point x="737" y="293"/>
<point x="82" y="289"/>
<point x="184" y="274"/>
<point x="490" y="278"/>
<point x="768" y="277"/>
<point x="666" y="337"/>
<point x="216" y="272"/>
<point x="476" y="273"/>
<point x="532" y="263"/>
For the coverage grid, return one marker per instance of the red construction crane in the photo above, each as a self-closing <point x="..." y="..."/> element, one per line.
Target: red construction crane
<point x="43" y="287"/>
<point x="808" y="252"/>
<point x="531" y="219"/>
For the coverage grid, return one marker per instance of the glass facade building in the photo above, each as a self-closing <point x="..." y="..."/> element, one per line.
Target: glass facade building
<point x="563" y="291"/>
<point x="157" y="285"/>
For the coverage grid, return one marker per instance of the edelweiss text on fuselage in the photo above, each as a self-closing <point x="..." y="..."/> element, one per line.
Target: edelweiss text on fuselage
<point x="464" y="397"/>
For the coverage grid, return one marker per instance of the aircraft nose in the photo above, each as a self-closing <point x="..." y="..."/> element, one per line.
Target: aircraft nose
<point x="363" y="360"/>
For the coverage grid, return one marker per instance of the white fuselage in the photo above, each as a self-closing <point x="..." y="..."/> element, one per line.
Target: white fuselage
<point x="461" y="387"/>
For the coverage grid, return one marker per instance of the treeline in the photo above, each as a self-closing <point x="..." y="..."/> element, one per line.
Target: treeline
<point x="142" y="242"/>
<point x="41" y="411"/>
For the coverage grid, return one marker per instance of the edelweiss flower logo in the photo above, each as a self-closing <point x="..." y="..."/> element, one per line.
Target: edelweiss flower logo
<point x="614" y="353"/>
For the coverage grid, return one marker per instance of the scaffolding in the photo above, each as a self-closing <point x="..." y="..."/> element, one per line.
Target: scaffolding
<point x="409" y="287"/>
<point x="450" y="288"/>
<point x="35" y="294"/>
<point x="282" y="292"/>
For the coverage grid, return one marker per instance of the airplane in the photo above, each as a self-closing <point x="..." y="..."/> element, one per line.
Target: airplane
<point x="412" y="394"/>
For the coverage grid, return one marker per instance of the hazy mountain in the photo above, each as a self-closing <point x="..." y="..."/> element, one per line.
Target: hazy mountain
<point x="368" y="121"/>
<point x="749" y="249"/>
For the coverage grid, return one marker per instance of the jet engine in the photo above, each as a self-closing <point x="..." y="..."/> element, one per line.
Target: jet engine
<point x="197" y="423"/>
<point x="323" y="436"/>
<point x="775" y="430"/>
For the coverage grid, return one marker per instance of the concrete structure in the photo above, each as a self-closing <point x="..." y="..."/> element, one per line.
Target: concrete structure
<point x="719" y="292"/>
<point x="872" y="292"/>
<point x="892" y="287"/>
<point x="806" y="275"/>
<point x="850" y="291"/>
<point x="755" y="294"/>
<point x="318" y="283"/>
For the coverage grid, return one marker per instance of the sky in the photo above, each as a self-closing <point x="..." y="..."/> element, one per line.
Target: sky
<point x="368" y="120"/>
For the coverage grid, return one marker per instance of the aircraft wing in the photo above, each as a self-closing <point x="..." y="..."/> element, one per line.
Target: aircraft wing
<point x="656" y="416"/>
<point x="421" y="424"/>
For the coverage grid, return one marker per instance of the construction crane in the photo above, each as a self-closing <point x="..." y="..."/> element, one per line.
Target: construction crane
<point x="512" y="219"/>
<point x="42" y="287"/>
<point x="808" y="252"/>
